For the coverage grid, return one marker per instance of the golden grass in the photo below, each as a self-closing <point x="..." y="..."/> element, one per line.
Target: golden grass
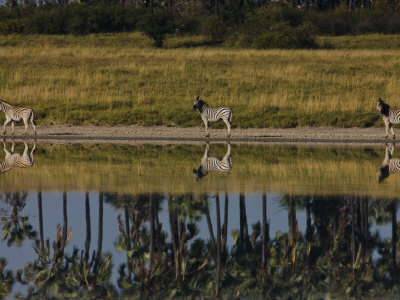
<point x="103" y="79"/>
<point x="168" y="169"/>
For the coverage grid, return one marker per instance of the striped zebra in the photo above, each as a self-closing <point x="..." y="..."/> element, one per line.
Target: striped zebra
<point x="213" y="164"/>
<point x="16" y="113"/>
<point x="389" y="165"/>
<point x="213" y="114"/>
<point x="390" y="116"/>
<point x="16" y="160"/>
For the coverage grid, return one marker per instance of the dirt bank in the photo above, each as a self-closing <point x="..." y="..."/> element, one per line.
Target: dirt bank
<point x="162" y="134"/>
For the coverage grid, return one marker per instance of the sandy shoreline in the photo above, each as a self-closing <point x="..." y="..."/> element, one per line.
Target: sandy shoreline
<point x="162" y="134"/>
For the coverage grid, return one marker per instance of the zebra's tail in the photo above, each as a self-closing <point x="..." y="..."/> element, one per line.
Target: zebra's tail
<point x="230" y="116"/>
<point x="32" y="117"/>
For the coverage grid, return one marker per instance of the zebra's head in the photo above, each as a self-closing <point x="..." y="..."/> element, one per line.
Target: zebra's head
<point x="382" y="107"/>
<point x="199" y="104"/>
<point x="199" y="173"/>
<point x="382" y="174"/>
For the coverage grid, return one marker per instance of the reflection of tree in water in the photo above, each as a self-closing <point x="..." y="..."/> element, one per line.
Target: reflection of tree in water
<point x="332" y="256"/>
<point x="6" y="279"/>
<point x="15" y="227"/>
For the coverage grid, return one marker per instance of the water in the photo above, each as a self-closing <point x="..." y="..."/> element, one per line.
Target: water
<point x="142" y="221"/>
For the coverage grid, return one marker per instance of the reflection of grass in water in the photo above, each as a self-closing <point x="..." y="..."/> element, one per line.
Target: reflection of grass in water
<point x="105" y="79"/>
<point x="169" y="169"/>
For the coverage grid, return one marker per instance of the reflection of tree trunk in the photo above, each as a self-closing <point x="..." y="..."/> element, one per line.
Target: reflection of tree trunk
<point x="65" y="222"/>
<point x="172" y="225"/>
<point x="225" y="227"/>
<point x="151" y="210"/>
<point x="264" y="231"/>
<point x="292" y="229"/>
<point x="88" y="234"/>
<point x="394" y="232"/>
<point x="128" y="238"/>
<point x="309" y="230"/>
<point x="209" y="224"/>
<point x="364" y="228"/>
<point x="244" y="232"/>
<point x="40" y="220"/>
<point x="353" y="239"/>
<point x="100" y="233"/>
<point x="218" y="245"/>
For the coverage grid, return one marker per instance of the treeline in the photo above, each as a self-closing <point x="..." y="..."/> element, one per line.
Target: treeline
<point x="292" y="24"/>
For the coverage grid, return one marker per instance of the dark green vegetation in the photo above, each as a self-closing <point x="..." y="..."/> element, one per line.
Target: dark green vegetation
<point x="255" y="24"/>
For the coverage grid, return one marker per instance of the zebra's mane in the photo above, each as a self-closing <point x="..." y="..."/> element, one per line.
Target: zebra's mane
<point x="385" y="108"/>
<point x="201" y="104"/>
<point x="5" y="103"/>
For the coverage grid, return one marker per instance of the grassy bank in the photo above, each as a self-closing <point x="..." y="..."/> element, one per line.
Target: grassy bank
<point x="120" y="79"/>
<point x="142" y="169"/>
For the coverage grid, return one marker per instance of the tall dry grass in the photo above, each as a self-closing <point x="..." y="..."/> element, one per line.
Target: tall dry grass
<point x="106" y="80"/>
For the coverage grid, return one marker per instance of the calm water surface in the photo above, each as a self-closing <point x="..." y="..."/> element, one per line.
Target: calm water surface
<point x="252" y="221"/>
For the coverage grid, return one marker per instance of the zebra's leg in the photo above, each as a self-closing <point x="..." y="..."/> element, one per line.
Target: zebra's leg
<point x="5" y="123"/>
<point x="12" y="146"/>
<point x="206" y="125"/>
<point x="32" y="151"/>
<point x="391" y="129"/>
<point x="12" y="126"/>
<point x="5" y="149"/>
<point x="228" y="152"/>
<point x="228" y="125"/>
<point x="33" y="124"/>
<point x="26" y="125"/>
<point x="25" y="154"/>
<point x="387" y="128"/>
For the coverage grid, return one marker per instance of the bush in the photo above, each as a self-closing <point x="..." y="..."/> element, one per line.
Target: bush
<point x="157" y="25"/>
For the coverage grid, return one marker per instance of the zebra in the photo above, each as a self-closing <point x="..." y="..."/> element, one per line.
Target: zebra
<point x="389" y="165"/>
<point x="16" y="113"/>
<point x="213" y="114"/>
<point x="390" y="116"/>
<point x="16" y="160"/>
<point x="213" y="164"/>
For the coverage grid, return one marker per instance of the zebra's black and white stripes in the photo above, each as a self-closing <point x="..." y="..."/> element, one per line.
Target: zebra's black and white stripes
<point x="16" y="160"/>
<point x="213" y="114"/>
<point x="16" y="113"/>
<point x="390" y="116"/>
<point x="389" y="165"/>
<point x="213" y="164"/>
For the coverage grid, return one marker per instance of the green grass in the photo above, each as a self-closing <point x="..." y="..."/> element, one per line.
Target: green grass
<point x="111" y="79"/>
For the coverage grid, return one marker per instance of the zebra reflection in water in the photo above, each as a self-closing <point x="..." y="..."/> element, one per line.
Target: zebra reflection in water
<point x="389" y="165"/>
<point x="213" y="163"/>
<point x="16" y="160"/>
